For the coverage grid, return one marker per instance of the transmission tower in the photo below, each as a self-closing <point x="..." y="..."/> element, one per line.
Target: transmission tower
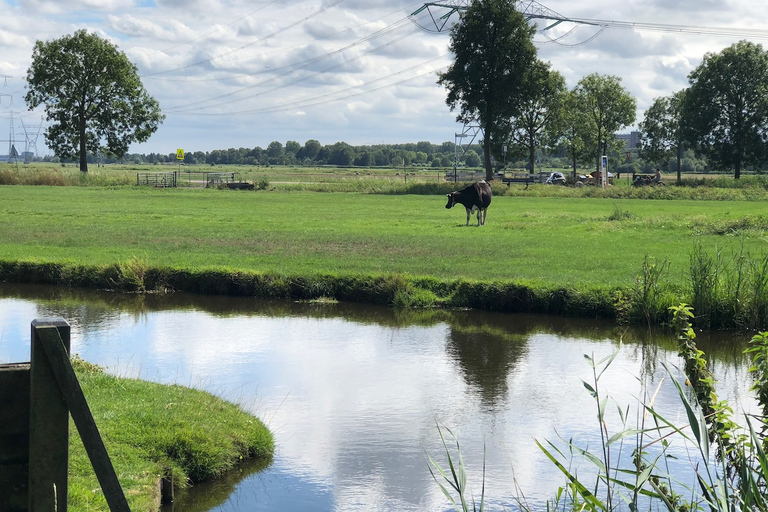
<point x="30" y="146"/>
<point x="441" y="12"/>
<point x="470" y="131"/>
<point x="12" y="153"/>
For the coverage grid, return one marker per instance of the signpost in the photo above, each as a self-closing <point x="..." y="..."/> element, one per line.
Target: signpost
<point x="604" y="170"/>
<point x="179" y="159"/>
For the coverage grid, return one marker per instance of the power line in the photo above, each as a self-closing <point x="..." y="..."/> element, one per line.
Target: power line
<point x="279" y="50"/>
<point x="387" y="30"/>
<point x="243" y="47"/>
<point x="292" y="106"/>
<point x="241" y="18"/>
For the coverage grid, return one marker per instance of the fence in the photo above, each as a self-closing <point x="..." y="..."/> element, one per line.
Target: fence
<point x="156" y="179"/>
<point x="36" y="399"/>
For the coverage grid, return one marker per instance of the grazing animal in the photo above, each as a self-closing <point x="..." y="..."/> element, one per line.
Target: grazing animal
<point x="475" y="198"/>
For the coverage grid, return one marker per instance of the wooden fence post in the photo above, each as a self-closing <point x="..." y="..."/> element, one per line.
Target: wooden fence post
<point x="58" y="358"/>
<point x="48" y="426"/>
<point x="14" y="437"/>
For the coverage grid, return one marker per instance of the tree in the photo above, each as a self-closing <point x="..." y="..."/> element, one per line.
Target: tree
<point x="92" y="95"/>
<point x="471" y="158"/>
<point x="609" y="108"/>
<point x="310" y="150"/>
<point x="275" y="153"/>
<point x="662" y="130"/>
<point x="574" y="129"/>
<point x="493" y="48"/>
<point x="540" y="112"/>
<point x="342" y="154"/>
<point x="291" y="149"/>
<point x="726" y="107"/>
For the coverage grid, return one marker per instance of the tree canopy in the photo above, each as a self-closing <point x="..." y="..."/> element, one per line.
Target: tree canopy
<point x="609" y="108"/>
<point x="493" y="48"/>
<point x="539" y="118"/>
<point x="726" y="107"/>
<point x="662" y="130"/>
<point x="92" y="95"/>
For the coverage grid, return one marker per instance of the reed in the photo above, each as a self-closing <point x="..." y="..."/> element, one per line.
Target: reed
<point x="735" y="479"/>
<point x="649" y="290"/>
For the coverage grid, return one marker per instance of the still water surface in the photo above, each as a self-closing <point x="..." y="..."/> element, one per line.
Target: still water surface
<point x="354" y="393"/>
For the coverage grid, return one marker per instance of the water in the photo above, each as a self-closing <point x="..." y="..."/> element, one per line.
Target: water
<point x="354" y="394"/>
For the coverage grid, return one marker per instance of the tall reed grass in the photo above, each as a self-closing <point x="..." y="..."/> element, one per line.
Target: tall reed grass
<point x="64" y="176"/>
<point x="733" y="478"/>
<point x="729" y="292"/>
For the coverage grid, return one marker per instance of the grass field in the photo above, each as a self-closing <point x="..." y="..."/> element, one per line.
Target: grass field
<point x="549" y="240"/>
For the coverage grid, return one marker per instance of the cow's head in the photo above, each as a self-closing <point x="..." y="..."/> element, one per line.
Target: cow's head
<point x="451" y="200"/>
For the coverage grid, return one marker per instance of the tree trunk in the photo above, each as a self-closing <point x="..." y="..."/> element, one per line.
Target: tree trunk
<point x="532" y="157"/>
<point x="574" y="166"/>
<point x="83" y="151"/>
<point x="737" y="174"/>
<point x="679" y="161"/>
<point x="487" y="153"/>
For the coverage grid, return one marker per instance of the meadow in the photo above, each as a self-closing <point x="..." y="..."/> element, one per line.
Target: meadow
<point x="552" y="241"/>
<point x="548" y="240"/>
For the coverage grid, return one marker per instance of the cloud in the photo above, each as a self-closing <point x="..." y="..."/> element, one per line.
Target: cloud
<point x="237" y="58"/>
<point x="73" y="6"/>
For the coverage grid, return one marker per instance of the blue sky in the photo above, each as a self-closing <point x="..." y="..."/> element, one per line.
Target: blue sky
<point x="233" y="73"/>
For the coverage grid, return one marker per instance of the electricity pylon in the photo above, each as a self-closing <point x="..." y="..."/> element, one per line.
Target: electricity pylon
<point x="441" y="12"/>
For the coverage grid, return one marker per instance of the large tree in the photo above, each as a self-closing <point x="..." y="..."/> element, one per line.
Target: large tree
<point x="575" y="128"/>
<point x="493" y="48"/>
<point x="726" y="107"/>
<point x="539" y="118"/>
<point x="93" y="97"/>
<point x="661" y="131"/>
<point x="609" y="106"/>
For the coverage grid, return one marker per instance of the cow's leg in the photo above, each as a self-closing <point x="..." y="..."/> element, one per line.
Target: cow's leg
<point x="469" y="212"/>
<point x="484" y="211"/>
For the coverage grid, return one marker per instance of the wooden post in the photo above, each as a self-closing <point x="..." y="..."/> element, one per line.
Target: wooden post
<point x="81" y="415"/>
<point x="48" y="426"/>
<point x="14" y="437"/>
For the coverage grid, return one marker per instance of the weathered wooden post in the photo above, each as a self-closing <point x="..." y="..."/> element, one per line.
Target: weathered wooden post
<point x="48" y="425"/>
<point x="14" y="436"/>
<point x="36" y="400"/>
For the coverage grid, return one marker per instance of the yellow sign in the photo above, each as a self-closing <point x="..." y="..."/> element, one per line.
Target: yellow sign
<point x="179" y="154"/>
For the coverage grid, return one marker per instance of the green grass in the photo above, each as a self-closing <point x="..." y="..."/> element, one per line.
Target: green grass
<point x="542" y="240"/>
<point x="148" y="428"/>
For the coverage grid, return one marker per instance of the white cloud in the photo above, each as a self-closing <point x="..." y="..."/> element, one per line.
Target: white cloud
<point x="231" y="61"/>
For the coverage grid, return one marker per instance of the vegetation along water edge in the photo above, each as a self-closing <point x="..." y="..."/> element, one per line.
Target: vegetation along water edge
<point x="627" y="259"/>
<point x="152" y="430"/>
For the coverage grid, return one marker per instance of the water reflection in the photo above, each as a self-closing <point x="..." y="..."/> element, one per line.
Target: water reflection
<point x="353" y="392"/>
<point x="486" y="355"/>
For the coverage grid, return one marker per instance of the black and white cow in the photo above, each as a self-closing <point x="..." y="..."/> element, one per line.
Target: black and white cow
<point x="476" y="197"/>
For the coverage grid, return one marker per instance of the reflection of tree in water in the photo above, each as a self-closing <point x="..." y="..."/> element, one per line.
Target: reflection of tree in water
<point x="486" y="354"/>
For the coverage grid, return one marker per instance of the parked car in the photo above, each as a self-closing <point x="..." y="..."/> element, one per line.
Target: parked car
<point x="555" y="178"/>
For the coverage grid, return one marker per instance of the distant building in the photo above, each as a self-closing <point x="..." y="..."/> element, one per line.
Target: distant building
<point x="631" y="139"/>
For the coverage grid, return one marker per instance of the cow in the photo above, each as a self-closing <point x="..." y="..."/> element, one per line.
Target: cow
<point x="476" y="197"/>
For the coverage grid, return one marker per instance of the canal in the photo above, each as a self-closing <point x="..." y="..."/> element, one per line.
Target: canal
<point x="355" y="394"/>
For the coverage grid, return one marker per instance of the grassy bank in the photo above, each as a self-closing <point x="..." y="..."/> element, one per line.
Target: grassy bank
<point x="149" y="428"/>
<point x="578" y="256"/>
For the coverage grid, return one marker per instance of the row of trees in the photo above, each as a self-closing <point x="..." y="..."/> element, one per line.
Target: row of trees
<point x="312" y="152"/>
<point x="723" y="113"/>
<point x="522" y="104"/>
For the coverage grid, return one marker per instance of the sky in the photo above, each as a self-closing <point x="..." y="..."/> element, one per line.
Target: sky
<point x="236" y="73"/>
